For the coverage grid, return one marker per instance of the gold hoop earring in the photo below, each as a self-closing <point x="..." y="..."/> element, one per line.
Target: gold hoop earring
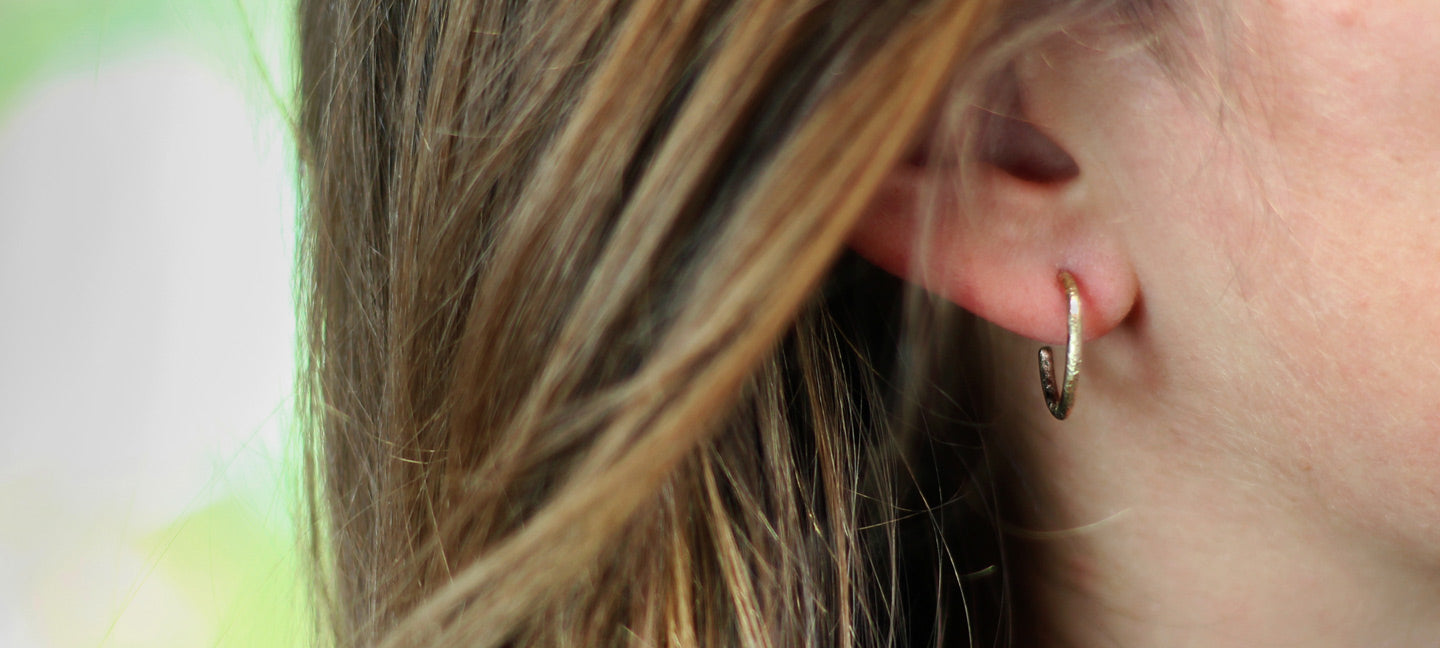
<point x="1061" y="400"/>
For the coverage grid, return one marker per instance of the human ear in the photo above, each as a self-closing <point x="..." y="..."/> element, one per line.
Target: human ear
<point x="993" y="233"/>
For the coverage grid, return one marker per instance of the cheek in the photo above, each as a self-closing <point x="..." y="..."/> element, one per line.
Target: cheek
<point x="1327" y="217"/>
<point x="1299" y="320"/>
<point x="1283" y="223"/>
<point x="1348" y="99"/>
<point x="1345" y="95"/>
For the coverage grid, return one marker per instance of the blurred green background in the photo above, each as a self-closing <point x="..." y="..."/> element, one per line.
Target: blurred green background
<point x="147" y="489"/>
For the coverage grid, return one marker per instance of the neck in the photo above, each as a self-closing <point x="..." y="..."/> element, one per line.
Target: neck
<point x="1127" y="533"/>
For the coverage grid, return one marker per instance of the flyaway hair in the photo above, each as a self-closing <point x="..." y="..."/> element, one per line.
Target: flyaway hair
<point x="586" y="363"/>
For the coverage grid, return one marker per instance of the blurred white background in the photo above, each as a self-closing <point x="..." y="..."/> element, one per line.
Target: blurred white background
<point x="147" y="495"/>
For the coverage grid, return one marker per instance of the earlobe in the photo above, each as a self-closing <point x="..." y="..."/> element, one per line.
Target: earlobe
<point x="997" y="247"/>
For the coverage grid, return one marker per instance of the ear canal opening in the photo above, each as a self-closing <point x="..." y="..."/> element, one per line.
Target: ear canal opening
<point x="1018" y="148"/>
<point x="1010" y="142"/>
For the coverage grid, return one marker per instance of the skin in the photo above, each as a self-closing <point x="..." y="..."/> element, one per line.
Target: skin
<point x="1254" y="456"/>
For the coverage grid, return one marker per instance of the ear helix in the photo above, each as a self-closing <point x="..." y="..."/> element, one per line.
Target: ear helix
<point x="1062" y="399"/>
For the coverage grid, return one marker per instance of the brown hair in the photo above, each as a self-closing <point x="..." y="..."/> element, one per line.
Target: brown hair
<point x="581" y="366"/>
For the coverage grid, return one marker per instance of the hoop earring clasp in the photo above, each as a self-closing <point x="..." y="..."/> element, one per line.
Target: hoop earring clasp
<point x="1061" y="399"/>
